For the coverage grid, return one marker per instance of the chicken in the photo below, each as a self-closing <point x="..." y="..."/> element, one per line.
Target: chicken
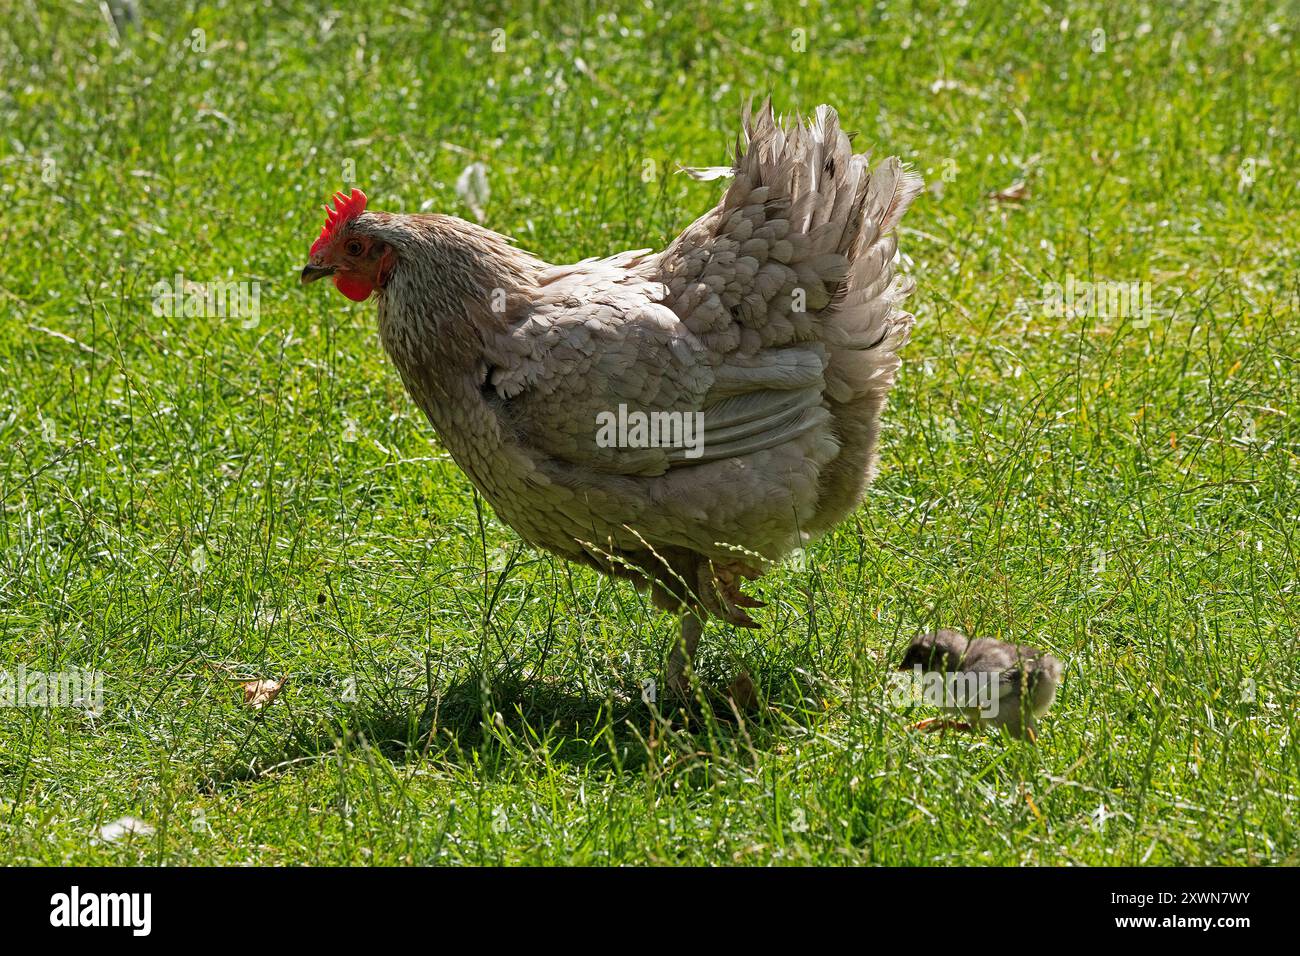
<point x="683" y="419"/>
<point x="1016" y="684"/>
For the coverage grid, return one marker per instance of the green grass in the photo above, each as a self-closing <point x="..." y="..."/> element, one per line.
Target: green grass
<point x="1124" y="496"/>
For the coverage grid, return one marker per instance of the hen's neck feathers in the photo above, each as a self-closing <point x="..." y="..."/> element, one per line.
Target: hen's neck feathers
<point x="450" y="293"/>
<point x="448" y="298"/>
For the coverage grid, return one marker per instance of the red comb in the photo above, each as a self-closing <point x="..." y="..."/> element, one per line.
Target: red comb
<point x="345" y="209"/>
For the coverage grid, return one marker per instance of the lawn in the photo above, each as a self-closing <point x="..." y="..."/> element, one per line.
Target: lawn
<point x="194" y="501"/>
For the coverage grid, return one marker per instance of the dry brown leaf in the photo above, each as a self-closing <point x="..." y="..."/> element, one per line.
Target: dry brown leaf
<point x="1017" y="192"/>
<point x="259" y="693"/>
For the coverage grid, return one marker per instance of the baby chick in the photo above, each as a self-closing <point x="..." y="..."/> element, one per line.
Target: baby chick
<point x="1010" y="686"/>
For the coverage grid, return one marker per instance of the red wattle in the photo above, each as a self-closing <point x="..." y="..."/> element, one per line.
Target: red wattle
<point x="357" y="288"/>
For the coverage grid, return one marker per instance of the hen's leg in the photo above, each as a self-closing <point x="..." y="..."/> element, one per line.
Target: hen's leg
<point x="683" y="655"/>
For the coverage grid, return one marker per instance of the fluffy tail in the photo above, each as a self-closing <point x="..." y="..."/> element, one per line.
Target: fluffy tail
<point x="794" y="270"/>
<point x="864" y="326"/>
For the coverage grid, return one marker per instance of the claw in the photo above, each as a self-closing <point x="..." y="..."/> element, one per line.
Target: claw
<point x="719" y="585"/>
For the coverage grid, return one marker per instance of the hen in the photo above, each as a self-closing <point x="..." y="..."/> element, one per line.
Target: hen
<point x="684" y="418"/>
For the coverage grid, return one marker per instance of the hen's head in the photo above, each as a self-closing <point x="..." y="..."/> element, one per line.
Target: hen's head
<point x="350" y="248"/>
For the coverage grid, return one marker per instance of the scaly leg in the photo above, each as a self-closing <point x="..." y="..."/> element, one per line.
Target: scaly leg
<point x="683" y="655"/>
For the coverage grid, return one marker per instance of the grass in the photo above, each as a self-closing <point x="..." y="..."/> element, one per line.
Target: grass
<point x="191" y="500"/>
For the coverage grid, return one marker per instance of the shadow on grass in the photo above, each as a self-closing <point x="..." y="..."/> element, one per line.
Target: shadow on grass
<point x="494" y="719"/>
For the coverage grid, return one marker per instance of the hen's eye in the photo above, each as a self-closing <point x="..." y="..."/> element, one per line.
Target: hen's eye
<point x="354" y="248"/>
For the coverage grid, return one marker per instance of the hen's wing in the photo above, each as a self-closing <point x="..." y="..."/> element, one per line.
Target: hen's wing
<point x="769" y="309"/>
<point x="594" y="342"/>
<point x="597" y="344"/>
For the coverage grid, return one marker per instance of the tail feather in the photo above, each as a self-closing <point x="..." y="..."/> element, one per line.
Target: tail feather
<point x="801" y="250"/>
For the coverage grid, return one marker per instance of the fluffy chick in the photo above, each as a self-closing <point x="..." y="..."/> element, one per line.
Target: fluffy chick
<point x="1023" y="679"/>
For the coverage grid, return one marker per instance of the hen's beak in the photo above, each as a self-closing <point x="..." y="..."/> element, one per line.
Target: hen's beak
<point x="311" y="273"/>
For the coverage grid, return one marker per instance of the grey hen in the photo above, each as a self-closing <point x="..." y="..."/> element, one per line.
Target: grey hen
<point x="765" y="338"/>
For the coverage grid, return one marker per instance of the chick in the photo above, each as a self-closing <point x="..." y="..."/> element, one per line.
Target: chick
<point x="1002" y="685"/>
